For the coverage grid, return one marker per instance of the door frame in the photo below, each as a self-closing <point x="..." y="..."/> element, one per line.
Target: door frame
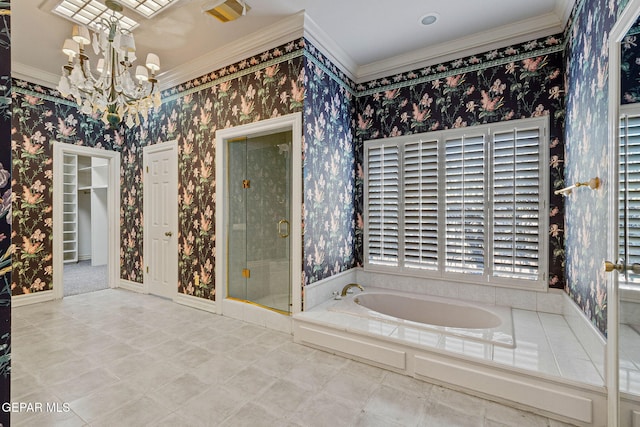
<point x="619" y="30"/>
<point x="291" y="122"/>
<point x="171" y="146"/>
<point x="113" y="211"/>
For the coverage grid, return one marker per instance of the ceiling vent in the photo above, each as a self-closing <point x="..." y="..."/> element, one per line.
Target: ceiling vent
<point x="226" y="10"/>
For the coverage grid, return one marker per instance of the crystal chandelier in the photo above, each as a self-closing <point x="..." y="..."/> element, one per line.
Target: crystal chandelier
<point x="112" y="93"/>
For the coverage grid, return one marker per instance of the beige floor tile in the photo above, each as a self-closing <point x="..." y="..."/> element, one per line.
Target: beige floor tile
<point x="124" y="359"/>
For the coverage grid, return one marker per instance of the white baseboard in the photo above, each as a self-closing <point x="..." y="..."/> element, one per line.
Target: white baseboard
<point x="195" y="302"/>
<point x="27" y="299"/>
<point x="131" y="286"/>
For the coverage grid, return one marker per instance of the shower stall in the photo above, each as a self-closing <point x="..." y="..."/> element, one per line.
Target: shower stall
<point x="259" y="227"/>
<point x="259" y="221"/>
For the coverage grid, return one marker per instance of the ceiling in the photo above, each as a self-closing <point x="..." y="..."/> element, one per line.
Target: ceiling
<point x="369" y="38"/>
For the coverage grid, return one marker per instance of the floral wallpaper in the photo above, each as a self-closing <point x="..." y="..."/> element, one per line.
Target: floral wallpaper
<point x="329" y="170"/>
<point x="39" y="118"/>
<point x="5" y="208"/>
<point x="515" y="82"/>
<point x="586" y="136"/>
<point x="524" y="80"/>
<point x="630" y="64"/>
<point x="267" y="85"/>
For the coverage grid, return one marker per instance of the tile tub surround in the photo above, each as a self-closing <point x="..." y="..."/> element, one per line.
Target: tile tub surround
<point x="551" y="301"/>
<point x="410" y="305"/>
<point x="106" y="354"/>
<point x="548" y="358"/>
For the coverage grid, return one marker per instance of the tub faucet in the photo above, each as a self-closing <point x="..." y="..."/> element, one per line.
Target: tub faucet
<point x="349" y="286"/>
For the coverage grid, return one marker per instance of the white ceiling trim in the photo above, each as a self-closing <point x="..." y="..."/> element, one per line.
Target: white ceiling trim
<point x="564" y="9"/>
<point x="34" y="75"/>
<point x="514" y="33"/>
<point x="269" y="37"/>
<point x="329" y="48"/>
<point x="300" y="25"/>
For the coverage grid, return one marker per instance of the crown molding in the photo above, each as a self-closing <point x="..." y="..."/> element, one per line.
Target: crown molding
<point x="329" y="48"/>
<point x="563" y="10"/>
<point x="279" y="33"/>
<point x="301" y="25"/>
<point x="514" y="33"/>
<point x="33" y="75"/>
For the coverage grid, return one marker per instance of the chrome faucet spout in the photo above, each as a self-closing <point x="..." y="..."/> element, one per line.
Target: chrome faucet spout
<point x="349" y="286"/>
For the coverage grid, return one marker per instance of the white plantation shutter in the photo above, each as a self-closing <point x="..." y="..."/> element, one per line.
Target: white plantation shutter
<point x="420" y="178"/>
<point x="463" y="201"/>
<point x="465" y="204"/>
<point x="516" y="203"/>
<point x="629" y="195"/>
<point x="383" y="173"/>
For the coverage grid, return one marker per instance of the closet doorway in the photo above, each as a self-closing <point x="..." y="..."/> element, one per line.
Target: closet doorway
<point x="86" y="204"/>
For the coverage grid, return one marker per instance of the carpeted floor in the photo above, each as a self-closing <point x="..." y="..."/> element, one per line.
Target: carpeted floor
<point x="81" y="277"/>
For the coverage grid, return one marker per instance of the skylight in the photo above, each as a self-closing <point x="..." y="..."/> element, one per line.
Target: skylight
<point x="147" y="8"/>
<point x="91" y="13"/>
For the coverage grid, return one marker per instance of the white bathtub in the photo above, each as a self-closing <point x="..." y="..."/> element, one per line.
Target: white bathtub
<point x="475" y="321"/>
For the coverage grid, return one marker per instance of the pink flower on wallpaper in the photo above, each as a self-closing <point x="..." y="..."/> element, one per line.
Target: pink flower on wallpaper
<point x="187" y="250"/>
<point x="489" y="103"/>
<point x="297" y="93"/>
<point x="29" y="247"/>
<point x="65" y="130"/>
<point x="32" y="100"/>
<point x="420" y="115"/>
<point x="533" y="64"/>
<point x="272" y="71"/>
<point x="29" y="147"/>
<point x="390" y="95"/>
<point x="555" y="161"/>
<point x="38" y="236"/>
<point x="454" y="81"/>
<point x="555" y="230"/>
<point x="205" y="224"/>
<point x="362" y="123"/>
<point x="30" y="198"/>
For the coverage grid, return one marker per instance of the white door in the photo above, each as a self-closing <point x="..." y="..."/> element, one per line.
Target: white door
<point x="161" y="219"/>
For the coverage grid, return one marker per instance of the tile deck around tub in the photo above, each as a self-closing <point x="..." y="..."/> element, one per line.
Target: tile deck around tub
<point x="544" y="342"/>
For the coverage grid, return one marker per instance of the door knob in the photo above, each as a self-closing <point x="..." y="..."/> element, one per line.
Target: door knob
<point x="609" y="267"/>
<point x="168" y="234"/>
<point x="620" y="268"/>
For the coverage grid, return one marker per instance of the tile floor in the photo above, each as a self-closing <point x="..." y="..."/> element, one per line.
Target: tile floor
<point x="118" y="358"/>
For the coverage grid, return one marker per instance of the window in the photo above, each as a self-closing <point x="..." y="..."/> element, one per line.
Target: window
<point x="466" y="204"/>
<point x="629" y="194"/>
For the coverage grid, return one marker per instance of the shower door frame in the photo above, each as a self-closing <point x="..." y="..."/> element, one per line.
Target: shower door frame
<point x="290" y="122"/>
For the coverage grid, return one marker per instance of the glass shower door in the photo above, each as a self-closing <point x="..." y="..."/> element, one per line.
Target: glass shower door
<point x="259" y="225"/>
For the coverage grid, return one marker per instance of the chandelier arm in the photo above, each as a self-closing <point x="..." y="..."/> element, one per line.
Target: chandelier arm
<point x="112" y="92"/>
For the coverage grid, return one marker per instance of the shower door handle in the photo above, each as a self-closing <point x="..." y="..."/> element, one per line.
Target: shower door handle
<point x="621" y="267"/>
<point x="280" y="224"/>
